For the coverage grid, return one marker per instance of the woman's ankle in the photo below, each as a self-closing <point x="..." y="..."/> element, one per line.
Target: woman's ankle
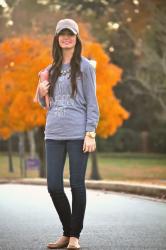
<point x="74" y="238"/>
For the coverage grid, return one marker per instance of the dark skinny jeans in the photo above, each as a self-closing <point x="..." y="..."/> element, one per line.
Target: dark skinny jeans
<point x="56" y="150"/>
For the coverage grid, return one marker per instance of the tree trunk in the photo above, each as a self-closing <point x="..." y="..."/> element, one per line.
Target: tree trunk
<point x="41" y="151"/>
<point x="144" y="139"/>
<point x="94" y="171"/>
<point x="22" y="154"/>
<point x="11" y="169"/>
<point x="32" y="144"/>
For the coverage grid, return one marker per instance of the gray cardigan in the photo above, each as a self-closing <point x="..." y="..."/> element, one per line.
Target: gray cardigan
<point x="69" y="118"/>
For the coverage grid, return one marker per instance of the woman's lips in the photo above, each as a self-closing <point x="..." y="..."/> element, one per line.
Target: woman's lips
<point x="66" y="42"/>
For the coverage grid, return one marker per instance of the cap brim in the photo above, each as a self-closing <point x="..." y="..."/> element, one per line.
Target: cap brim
<point x="59" y="30"/>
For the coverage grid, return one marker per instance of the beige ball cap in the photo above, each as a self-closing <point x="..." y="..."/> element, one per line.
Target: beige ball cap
<point x="67" y="24"/>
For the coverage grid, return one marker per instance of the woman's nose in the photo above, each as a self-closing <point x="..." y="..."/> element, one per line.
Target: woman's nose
<point x="66" y="35"/>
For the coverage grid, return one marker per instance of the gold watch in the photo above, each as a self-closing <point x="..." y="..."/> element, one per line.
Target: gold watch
<point x="91" y="134"/>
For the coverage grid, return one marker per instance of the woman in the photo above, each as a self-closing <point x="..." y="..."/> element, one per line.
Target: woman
<point x="71" y="121"/>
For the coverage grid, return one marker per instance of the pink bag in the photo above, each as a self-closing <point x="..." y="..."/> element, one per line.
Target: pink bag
<point x="43" y="75"/>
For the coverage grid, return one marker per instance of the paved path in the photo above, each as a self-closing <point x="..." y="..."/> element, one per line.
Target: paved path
<point x="151" y="190"/>
<point x="113" y="221"/>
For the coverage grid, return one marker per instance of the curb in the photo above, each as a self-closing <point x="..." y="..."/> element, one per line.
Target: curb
<point x="157" y="191"/>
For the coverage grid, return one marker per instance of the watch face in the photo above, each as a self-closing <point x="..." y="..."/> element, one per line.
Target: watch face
<point x="92" y="134"/>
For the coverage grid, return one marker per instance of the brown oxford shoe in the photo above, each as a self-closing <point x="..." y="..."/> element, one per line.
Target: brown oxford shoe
<point x="73" y="244"/>
<point x="62" y="242"/>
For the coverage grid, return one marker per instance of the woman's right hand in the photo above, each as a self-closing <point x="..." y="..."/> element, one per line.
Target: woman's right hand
<point x="43" y="88"/>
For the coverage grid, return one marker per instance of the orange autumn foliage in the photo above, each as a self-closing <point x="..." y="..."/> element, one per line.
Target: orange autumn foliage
<point x="112" y="114"/>
<point x="20" y="61"/>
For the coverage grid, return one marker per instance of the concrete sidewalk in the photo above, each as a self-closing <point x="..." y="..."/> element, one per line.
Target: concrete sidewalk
<point x="157" y="191"/>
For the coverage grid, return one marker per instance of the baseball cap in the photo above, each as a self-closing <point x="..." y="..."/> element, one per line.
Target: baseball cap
<point x="67" y="24"/>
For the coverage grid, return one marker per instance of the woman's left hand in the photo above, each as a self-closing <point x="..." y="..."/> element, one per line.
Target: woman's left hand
<point x="89" y="144"/>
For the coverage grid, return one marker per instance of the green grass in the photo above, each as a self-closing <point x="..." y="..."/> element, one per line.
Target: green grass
<point x="128" y="166"/>
<point x="112" y="166"/>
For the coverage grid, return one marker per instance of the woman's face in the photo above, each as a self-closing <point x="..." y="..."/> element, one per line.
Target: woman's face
<point x="67" y="39"/>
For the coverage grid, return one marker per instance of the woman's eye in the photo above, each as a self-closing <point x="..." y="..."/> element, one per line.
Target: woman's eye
<point x="67" y="34"/>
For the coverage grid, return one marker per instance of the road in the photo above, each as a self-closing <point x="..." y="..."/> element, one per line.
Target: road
<point x="113" y="221"/>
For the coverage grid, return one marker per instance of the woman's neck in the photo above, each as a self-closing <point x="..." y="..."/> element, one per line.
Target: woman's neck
<point x="67" y="55"/>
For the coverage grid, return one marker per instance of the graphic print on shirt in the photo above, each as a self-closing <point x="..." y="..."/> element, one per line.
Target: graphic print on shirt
<point x="62" y="97"/>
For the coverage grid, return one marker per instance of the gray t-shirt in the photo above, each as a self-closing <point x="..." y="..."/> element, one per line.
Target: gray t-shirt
<point x="70" y="118"/>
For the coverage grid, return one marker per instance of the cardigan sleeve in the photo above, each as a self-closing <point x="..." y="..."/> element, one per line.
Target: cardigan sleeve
<point x="89" y="88"/>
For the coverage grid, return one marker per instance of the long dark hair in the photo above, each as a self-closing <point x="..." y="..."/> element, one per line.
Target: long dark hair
<point x="55" y="69"/>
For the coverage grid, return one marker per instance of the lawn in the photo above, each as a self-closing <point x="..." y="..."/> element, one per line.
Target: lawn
<point x="112" y="166"/>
